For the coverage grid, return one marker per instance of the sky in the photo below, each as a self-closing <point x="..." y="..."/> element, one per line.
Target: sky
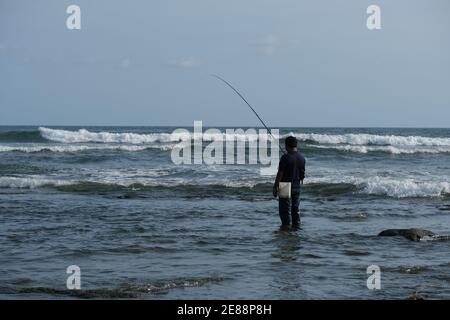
<point x="299" y="63"/>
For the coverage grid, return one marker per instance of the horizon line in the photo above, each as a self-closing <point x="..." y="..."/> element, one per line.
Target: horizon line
<point x="225" y="126"/>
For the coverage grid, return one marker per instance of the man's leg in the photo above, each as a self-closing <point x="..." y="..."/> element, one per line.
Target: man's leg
<point x="295" y="203"/>
<point x="284" y="206"/>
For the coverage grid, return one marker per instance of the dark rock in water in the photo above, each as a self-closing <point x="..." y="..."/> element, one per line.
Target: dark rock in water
<point x="411" y="234"/>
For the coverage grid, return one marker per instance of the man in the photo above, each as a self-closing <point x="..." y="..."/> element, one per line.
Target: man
<point x="291" y="169"/>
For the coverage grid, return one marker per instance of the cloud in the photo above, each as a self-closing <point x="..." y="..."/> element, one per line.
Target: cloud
<point x="267" y="45"/>
<point x="184" y="62"/>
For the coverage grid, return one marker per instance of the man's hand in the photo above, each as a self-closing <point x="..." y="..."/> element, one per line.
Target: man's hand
<point x="275" y="191"/>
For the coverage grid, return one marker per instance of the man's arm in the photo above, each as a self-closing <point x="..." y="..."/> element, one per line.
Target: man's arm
<point x="281" y="169"/>
<point x="302" y="171"/>
<point x="277" y="183"/>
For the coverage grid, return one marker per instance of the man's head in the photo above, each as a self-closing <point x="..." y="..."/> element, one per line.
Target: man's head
<point x="291" y="143"/>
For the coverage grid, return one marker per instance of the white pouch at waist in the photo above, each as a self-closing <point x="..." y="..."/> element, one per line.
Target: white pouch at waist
<point x="284" y="190"/>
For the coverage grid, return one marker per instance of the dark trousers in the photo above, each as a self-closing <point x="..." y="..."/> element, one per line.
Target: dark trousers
<point x="290" y="207"/>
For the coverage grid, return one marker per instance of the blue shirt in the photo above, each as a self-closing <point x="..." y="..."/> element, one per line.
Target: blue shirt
<point x="292" y="164"/>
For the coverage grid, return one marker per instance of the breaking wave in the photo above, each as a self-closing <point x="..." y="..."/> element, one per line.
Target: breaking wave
<point x="378" y="186"/>
<point x="385" y="149"/>
<point x="371" y="139"/>
<point x="391" y="187"/>
<point x="78" y="148"/>
<point x="30" y="182"/>
<point x="406" y="188"/>
<point x="84" y="135"/>
<point x="359" y="143"/>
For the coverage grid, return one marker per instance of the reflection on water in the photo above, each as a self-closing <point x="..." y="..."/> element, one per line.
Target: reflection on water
<point x="287" y="243"/>
<point x="287" y="280"/>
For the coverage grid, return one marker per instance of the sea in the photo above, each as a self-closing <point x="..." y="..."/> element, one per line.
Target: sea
<point x="109" y="203"/>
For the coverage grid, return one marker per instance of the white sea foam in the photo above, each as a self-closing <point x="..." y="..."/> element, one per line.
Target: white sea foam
<point x="167" y="146"/>
<point x="361" y="139"/>
<point x="391" y="187"/>
<point x="31" y="182"/>
<point x="70" y="148"/>
<point x="83" y="135"/>
<point x="405" y="188"/>
<point x="371" y="139"/>
<point x="387" y="149"/>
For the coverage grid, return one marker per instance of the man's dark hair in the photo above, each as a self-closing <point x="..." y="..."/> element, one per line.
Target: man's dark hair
<point x="291" y="142"/>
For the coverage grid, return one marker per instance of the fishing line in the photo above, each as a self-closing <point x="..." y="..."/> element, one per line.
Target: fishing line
<point x="248" y="104"/>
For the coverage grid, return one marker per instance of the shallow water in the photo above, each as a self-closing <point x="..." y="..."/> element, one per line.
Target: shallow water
<point x="139" y="226"/>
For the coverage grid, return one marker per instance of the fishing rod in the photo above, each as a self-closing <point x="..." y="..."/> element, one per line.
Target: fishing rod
<point x="248" y="104"/>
